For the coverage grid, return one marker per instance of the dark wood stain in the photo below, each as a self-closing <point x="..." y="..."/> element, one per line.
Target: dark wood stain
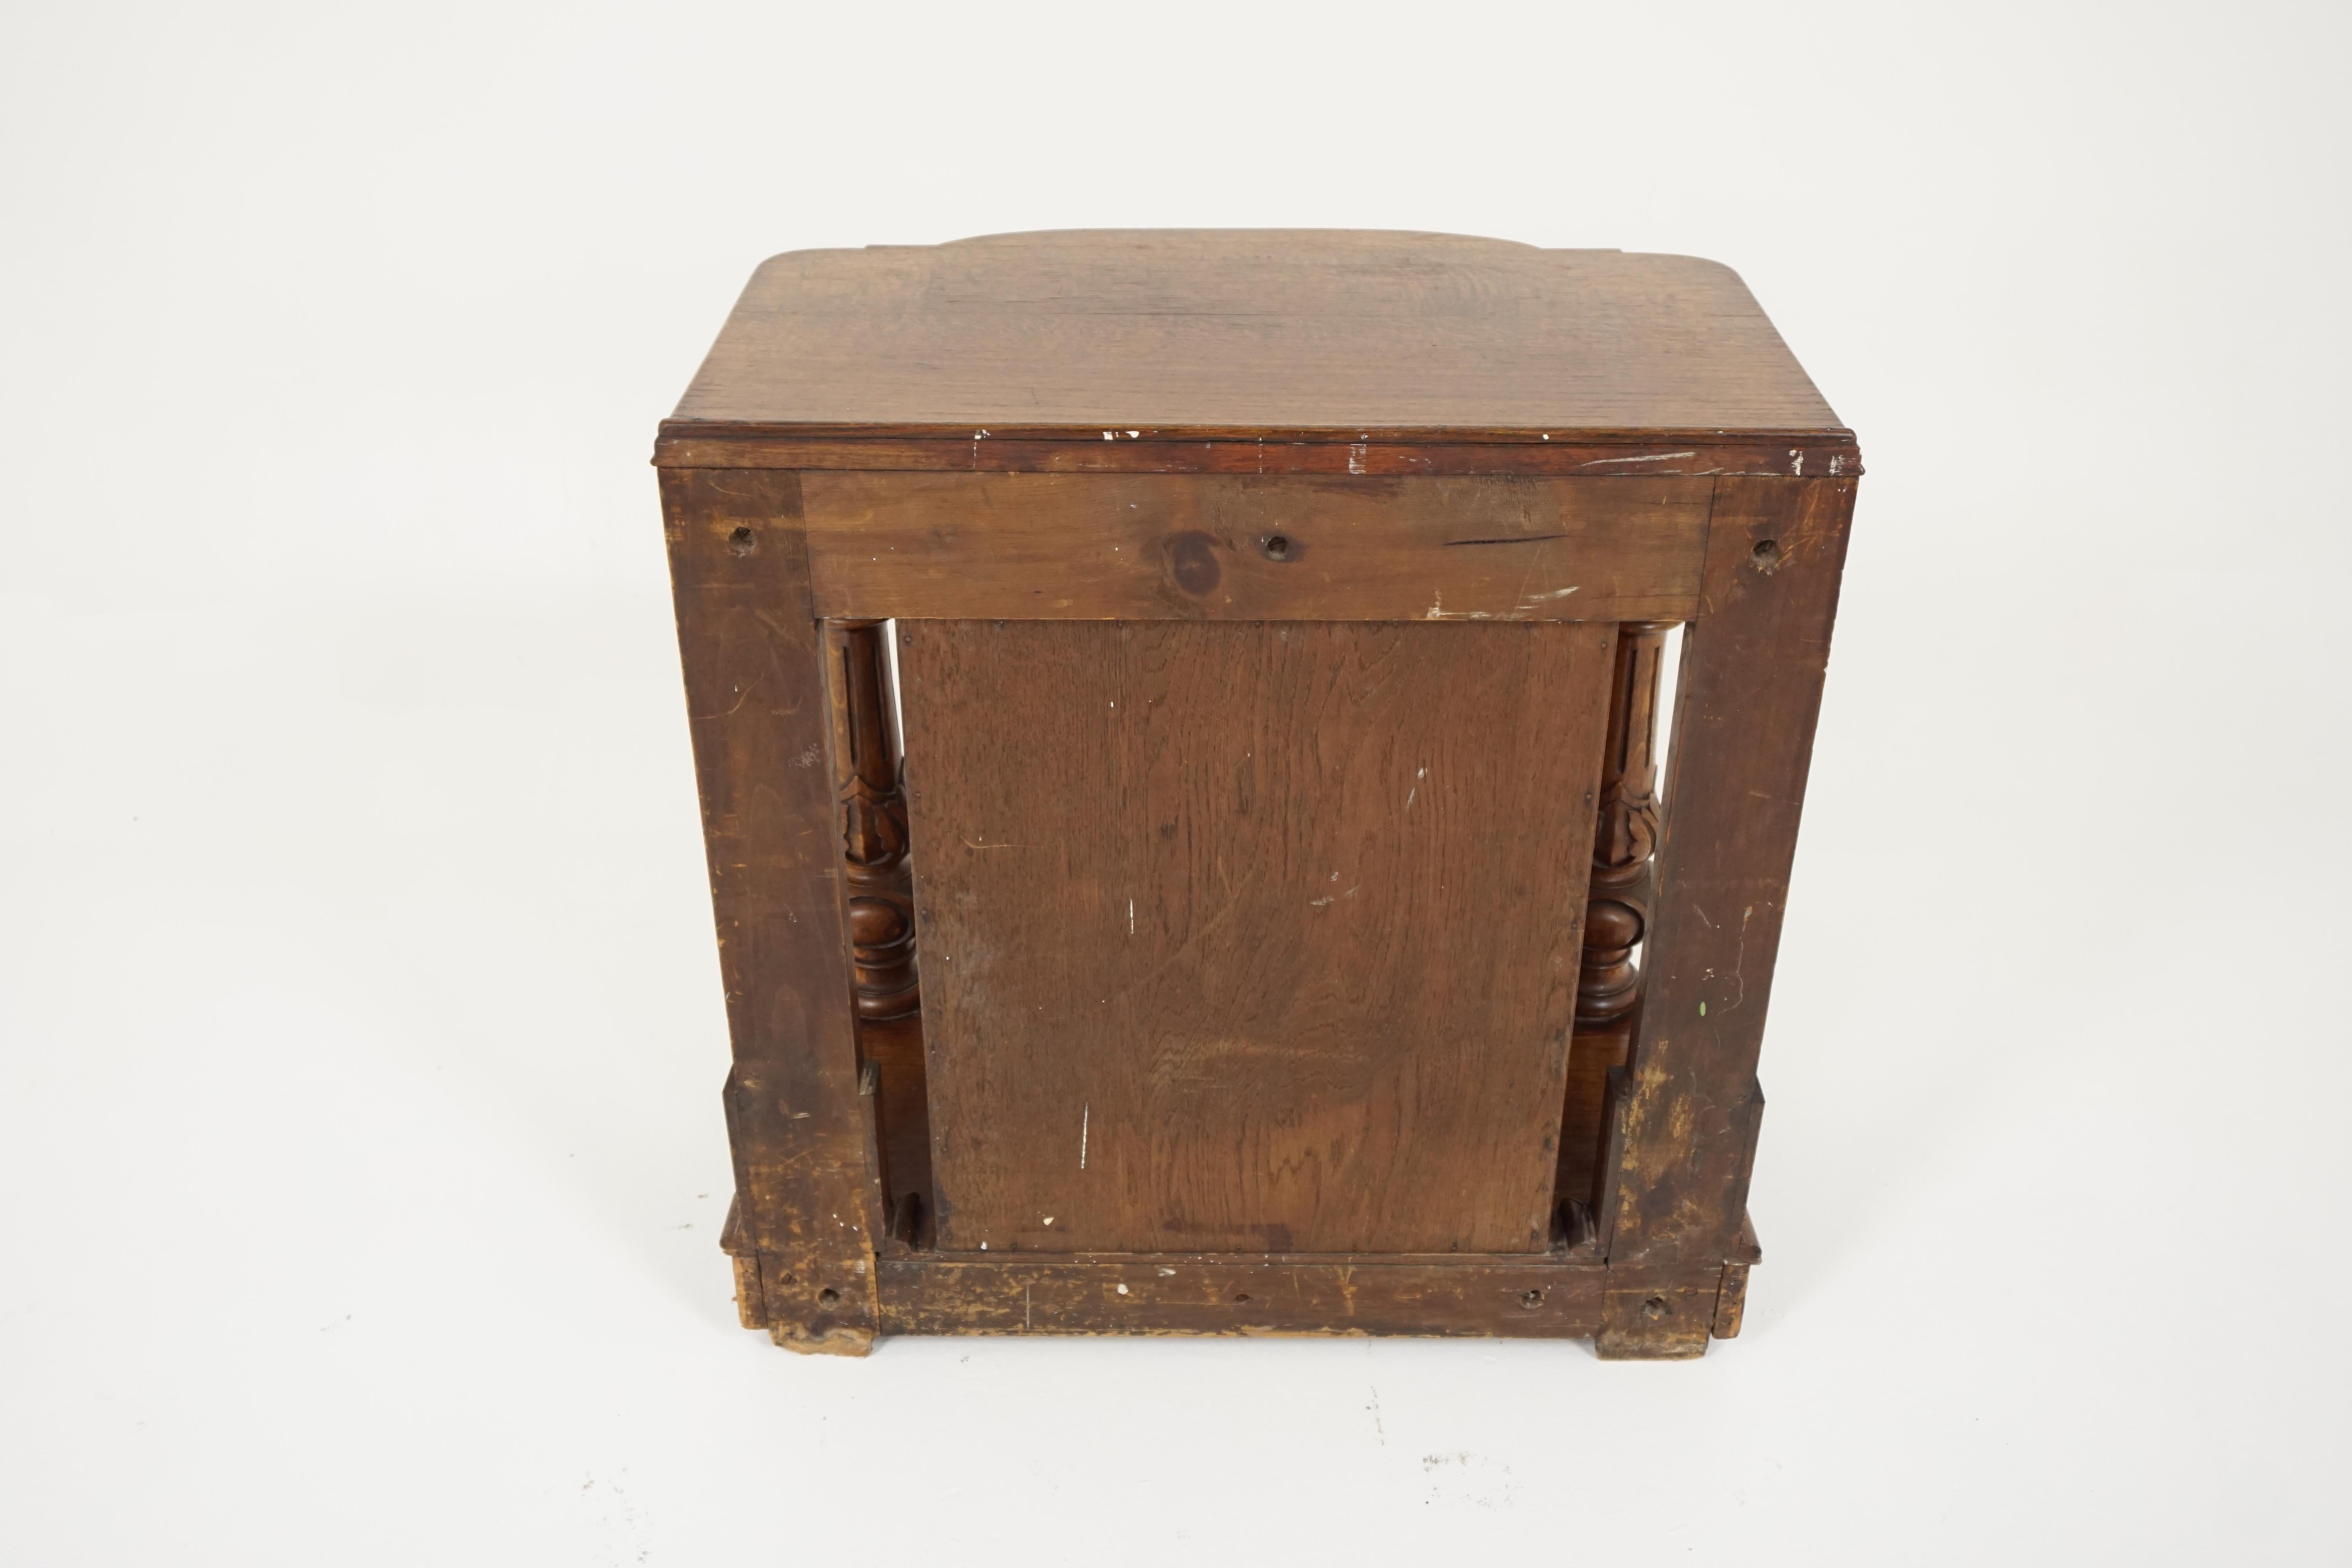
<point x="1686" y="454"/>
<point x="1279" y="926"/>
<point x="749" y="641"/>
<point x="1250" y="936"/>
<point x="1106" y="336"/>
<point x="1751" y="690"/>
<point x="1183" y="547"/>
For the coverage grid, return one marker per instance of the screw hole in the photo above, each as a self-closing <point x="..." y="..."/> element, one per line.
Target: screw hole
<point x="828" y="1297"/>
<point x="1242" y="1299"/>
<point x="1278" y="548"/>
<point x="1655" y="1307"/>
<point x="1531" y="1300"/>
<point x="742" y="541"/>
<point x="1766" y="556"/>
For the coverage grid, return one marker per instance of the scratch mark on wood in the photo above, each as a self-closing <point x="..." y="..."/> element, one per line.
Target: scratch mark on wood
<point x="1653" y="458"/>
<point x="1739" y="960"/>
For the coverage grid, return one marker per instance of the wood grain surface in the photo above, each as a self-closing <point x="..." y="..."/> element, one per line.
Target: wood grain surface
<point x="1144" y="335"/>
<point x="1657" y="453"/>
<point x="1256" y="595"/>
<point x="1486" y="1297"/>
<point x="1254" y="937"/>
<point x="802" y="1139"/>
<point x="1750" y="691"/>
<point x="1182" y="547"/>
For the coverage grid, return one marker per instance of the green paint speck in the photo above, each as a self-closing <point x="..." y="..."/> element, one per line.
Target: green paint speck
<point x="1702" y="1010"/>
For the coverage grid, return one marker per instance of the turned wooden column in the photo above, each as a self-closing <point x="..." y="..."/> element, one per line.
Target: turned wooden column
<point x="873" y="822"/>
<point x="884" y="987"/>
<point x="1617" y="909"/>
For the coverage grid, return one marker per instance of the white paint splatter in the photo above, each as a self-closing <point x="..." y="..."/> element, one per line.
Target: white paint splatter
<point x="1355" y="459"/>
<point x="1796" y="463"/>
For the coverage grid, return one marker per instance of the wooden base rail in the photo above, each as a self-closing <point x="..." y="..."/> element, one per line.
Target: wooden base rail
<point x="1634" y="1313"/>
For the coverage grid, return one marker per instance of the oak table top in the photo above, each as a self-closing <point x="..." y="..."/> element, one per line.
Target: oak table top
<point x="1297" y="335"/>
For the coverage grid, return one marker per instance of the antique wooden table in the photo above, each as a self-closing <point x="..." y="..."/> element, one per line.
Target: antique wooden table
<point x="1275" y="620"/>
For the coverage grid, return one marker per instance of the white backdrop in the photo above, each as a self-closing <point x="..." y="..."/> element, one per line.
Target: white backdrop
<point x="360" y="1156"/>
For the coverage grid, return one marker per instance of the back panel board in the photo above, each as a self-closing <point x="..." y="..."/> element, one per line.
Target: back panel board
<point x="1249" y="937"/>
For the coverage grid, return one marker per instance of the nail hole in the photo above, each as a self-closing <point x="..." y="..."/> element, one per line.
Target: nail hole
<point x="1531" y="1300"/>
<point x="742" y="541"/>
<point x="1242" y="1299"/>
<point x="828" y="1297"/>
<point x="1655" y="1307"/>
<point x="1278" y="548"/>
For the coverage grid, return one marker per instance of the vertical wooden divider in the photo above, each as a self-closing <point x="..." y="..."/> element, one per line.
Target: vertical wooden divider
<point x="1685" y="1112"/>
<point x="807" y="1204"/>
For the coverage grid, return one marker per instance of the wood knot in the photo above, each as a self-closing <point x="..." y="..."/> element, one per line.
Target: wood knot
<point x="1193" y="560"/>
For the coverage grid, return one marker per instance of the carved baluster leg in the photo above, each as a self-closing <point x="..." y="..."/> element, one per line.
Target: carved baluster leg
<point x="884" y="987"/>
<point x="1617" y="913"/>
<point x="1617" y="909"/>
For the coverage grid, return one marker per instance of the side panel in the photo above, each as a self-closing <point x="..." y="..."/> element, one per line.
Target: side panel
<point x="749" y="642"/>
<point x="1251" y="937"/>
<point x="1688" y="1106"/>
